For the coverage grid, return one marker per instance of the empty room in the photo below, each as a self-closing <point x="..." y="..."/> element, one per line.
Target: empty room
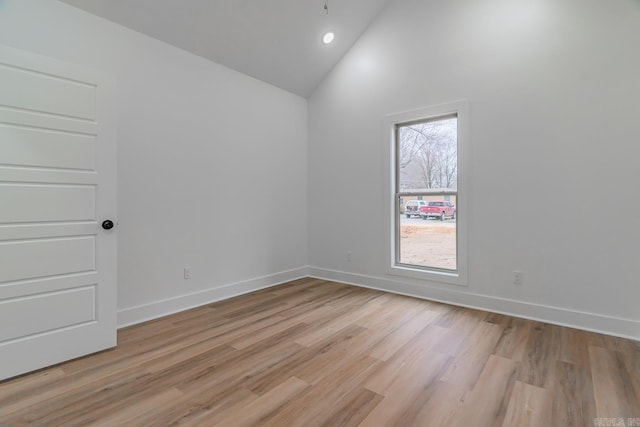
<point x="319" y="213"/>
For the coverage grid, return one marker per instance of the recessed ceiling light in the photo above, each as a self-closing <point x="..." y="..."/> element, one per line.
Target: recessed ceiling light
<point x="328" y="37"/>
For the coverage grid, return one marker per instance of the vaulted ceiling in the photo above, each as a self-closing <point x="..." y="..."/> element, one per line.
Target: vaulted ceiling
<point x="276" y="41"/>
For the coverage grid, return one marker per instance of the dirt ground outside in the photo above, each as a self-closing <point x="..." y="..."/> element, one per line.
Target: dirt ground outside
<point x="429" y="243"/>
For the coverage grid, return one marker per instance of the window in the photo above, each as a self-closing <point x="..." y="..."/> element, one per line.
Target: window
<point x="426" y="151"/>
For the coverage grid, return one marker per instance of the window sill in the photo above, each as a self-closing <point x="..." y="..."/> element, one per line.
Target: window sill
<point x="450" y="278"/>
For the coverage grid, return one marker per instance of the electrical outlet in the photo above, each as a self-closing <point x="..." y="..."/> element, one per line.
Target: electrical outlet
<point x="187" y="272"/>
<point x="518" y="277"/>
<point x="349" y="256"/>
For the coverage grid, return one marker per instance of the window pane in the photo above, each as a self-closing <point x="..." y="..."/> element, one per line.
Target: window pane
<point x="428" y="155"/>
<point x="426" y="181"/>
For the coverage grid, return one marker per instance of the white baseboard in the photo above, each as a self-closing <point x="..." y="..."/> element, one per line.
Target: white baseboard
<point x="625" y="328"/>
<point x="142" y="313"/>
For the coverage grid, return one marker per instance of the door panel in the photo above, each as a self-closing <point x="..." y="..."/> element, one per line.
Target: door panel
<point x="29" y="146"/>
<point x="51" y="311"/>
<point x="47" y="284"/>
<point x="57" y="202"/>
<point x="31" y="89"/>
<point x="57" y="184"/>
<point x="54" y="256"/>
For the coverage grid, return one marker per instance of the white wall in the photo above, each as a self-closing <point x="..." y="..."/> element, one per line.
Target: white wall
<point x="212" y="164"/>
<point x="554" y="98"/>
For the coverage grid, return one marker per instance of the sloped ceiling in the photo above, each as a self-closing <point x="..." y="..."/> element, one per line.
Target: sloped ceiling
<point x="276" y="41"/>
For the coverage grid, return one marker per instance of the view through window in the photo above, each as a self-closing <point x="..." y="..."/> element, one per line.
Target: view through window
<point x="425" y="193"/>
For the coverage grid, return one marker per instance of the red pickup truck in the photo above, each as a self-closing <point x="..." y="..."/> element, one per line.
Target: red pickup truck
<point x="442" y="210"/>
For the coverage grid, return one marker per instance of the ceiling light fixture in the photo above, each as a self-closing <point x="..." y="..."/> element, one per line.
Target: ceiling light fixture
<point x="328" y="37"/>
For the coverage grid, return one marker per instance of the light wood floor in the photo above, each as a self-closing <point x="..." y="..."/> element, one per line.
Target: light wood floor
<point x="313" y="353"/>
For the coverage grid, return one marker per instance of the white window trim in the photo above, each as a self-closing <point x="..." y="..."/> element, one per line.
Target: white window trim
<point x="461" y="109"/>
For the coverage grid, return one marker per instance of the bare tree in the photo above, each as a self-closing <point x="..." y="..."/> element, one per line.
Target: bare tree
<point x="409" y="146"/>
<point x="447" y="163"/>
<point x="432" y="148"/>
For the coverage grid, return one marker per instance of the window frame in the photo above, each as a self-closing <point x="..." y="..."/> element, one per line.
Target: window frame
<point x="459" y="277"/>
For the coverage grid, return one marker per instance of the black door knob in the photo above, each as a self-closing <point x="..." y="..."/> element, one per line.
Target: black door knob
<point x="107" y="224"/>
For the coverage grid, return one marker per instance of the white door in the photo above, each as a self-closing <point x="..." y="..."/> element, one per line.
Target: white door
<point x="57" y="186"/>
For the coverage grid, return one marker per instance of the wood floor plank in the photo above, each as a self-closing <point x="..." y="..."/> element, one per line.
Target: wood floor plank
<point x="37" y="398"/>
<point x="202" y="409"/>
<point x="354" y="409"/>
<point x="632" y="361"/>
<point x="318" y="353"/>
<point x="52" y="406"/>
<point x="573" y="396"/>
<point x="204" y="406"/>
<point x="339" y="322"/>
<point x="613" y="388"/>
<point x="574" y="347"/>
<point x="434" y="406"/>
<point x="381" y="381"/>
<point x="390" y="311"/>
<point x="318" y="403"/>
<point x="530" y="406"/>
<point x="330" y="354"/>
<point x="469" y="362"/>
<point x="488" y="402"/>
<point x="542" y="352"/>
<point x="403" y="394"/>
<point x="266" y="406"/>
<point x="332" y="304"/>
<point x="390" y="344"/>
<point x="184" y="354"/>
<point x="460" y="322"/>
<point x="21" y="387"/>
<point x="258" y="335"/>
<point x="310" y="364"/>
<point x="234" y="371"/>
<point x="461" y="317"/>
<point x="515" y="334"/>
<point x="135" y="413"/>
